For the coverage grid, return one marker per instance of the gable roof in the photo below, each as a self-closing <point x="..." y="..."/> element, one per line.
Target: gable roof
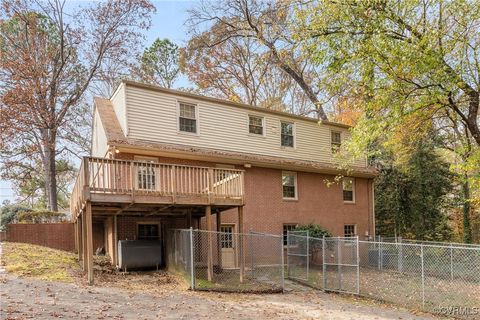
<point x="116" y="137"/>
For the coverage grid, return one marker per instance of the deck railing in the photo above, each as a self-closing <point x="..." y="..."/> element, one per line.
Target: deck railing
<point x="109" y="176"/>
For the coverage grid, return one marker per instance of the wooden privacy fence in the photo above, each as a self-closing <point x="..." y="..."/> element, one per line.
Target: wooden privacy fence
<point x="53" y="235"/>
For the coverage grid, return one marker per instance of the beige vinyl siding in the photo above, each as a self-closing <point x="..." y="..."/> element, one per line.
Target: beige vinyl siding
<point x="99" y="139"/>
<point x="153" y="116"/>
<point x="119" y="106"/>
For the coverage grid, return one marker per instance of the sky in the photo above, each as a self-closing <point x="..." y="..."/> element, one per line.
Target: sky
<point x="168" y="22"/>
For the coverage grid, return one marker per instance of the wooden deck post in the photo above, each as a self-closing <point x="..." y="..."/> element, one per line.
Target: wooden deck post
<point x="208" y="216"/>
<point x="80" y="238"/>
<point x="115" y="241"/>
<point x="84" y="242"/>
<point x="89" y="241"/>
<point x="219" y="239"/>
<point x="240" y="243"/>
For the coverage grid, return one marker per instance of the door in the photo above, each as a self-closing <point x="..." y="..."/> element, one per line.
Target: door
<point x="227" y="244"/>
<point x="147" y="174"/>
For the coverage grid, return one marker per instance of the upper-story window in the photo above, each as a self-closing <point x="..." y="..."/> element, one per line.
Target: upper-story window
<point x="348" y="189"/>
<point x="287" y="134"/>
<point x="187" y="119"/>
<point x="289" y="185"/>
<point x="336" y="140"/>
<point x="255" y="124"/>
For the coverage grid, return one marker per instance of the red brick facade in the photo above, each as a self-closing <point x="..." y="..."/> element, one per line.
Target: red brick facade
<point x="266" y="210"/>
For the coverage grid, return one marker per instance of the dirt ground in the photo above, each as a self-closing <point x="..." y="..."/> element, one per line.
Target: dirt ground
<point x="27" y="298"/>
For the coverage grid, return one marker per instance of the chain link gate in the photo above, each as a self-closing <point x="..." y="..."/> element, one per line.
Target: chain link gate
<point x="298" y="255"/>
<point x="341" y="268"/>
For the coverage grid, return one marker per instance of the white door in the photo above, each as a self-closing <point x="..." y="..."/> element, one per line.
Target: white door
<point x="227" y="243"/>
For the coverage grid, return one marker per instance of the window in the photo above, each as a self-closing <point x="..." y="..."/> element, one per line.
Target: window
<point x="336" y="141"/>
<point x="226" y="237"/>
<point x="287" y="134"/>
<point x="286" y="228"/>
<point x="147" y="231"/>
<point x="349" y="230"/>
<point x="146" y="175"/>
<point x="187" y="117"/>
<point x="289" y="184"/>
<point x="348" y="189"/>
<point x="255" y="125"/>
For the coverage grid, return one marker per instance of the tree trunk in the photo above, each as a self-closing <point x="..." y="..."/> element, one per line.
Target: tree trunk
<point x="467" y="230"/>
<point x="50" y="171"/>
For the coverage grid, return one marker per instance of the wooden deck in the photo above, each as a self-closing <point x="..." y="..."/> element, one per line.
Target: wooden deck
<point x="114" y="186"/>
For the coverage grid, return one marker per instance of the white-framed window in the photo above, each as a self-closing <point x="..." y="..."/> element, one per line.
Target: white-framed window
<point x="348" y="186"/>
<point x="287" y="134"/>
<point x="148" y="231"/>
<point x="146" y="173"/>
<point x="336" y="140"/>
<point x="256" y="125"/>
<point x="349" y="230"/>
<point x="187" y="117"/>
<point x="289" y="185"/>
<point x="287" y="227"/>
<point x="226" y="237"/>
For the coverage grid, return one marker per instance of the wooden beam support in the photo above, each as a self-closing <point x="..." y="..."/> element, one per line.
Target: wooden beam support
<point x="84" y="242"/>
<point x="89" y="240"/>
<point x="240" y="243"/>
<point x="208" y="215"/>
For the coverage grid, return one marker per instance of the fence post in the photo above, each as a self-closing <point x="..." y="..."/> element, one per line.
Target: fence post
<point x="423" y="276"/>
<point x="451" y="262"/>
<point x="251" y="251"/>
<point x="339" y="264"/>
<point x="308" y="253"/>
<point x="192" y="262"/>
<point x="324" y="266"/>
<point x="358" y="266"/>
<point x="288" y="253"/>
<point x="283" y="262"/>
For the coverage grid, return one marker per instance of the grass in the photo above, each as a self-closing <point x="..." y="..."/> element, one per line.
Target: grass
<point x="28" y="260"/>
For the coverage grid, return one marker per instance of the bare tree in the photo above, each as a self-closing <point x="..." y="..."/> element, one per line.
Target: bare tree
<point x="49" y="56"/>
<point x="214" y="23"/>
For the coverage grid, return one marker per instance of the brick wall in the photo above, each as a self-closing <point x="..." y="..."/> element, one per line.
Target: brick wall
<point x="52" y="235"/>
<point x="267" y="211"/>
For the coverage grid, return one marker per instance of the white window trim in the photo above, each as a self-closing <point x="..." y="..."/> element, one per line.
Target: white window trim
<point x="294" y="132"/>
<point x="354" y="228"/>
<point x="293" y="225"/>
<point x="157" y="173"/>
<point x="353" y="191"/>
<point x="264" y="131"/>
<point x="197" y="118"/>
<point x="341" y="138"/>
<point x="295" y="185"/>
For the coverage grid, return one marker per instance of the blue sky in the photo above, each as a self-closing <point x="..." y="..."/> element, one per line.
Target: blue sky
<point x="168" y="22"/>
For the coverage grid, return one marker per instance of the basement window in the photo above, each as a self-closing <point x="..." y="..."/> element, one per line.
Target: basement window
<point x="349" y="230"/>
<point x="148" y="231"/>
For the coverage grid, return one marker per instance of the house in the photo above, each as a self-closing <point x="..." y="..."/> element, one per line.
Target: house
<point x="163" y="158"/>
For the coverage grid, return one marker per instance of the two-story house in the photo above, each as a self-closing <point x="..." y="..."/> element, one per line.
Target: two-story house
<point x="163" y="158"/>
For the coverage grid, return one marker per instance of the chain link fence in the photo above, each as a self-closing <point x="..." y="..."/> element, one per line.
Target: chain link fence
<point x="227" y="261"/>
<point x="428" y="277"/>
<point x="422" y="276"/>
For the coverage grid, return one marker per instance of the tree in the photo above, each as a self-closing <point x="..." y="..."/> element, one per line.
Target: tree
<point x="9" y="213"/>
<point x="424" y="56"/>
<point x="412" y="195"/>
<point x="48" y="59"/>
<point x="159" y="63"/>
<point x="253" y="29"/>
